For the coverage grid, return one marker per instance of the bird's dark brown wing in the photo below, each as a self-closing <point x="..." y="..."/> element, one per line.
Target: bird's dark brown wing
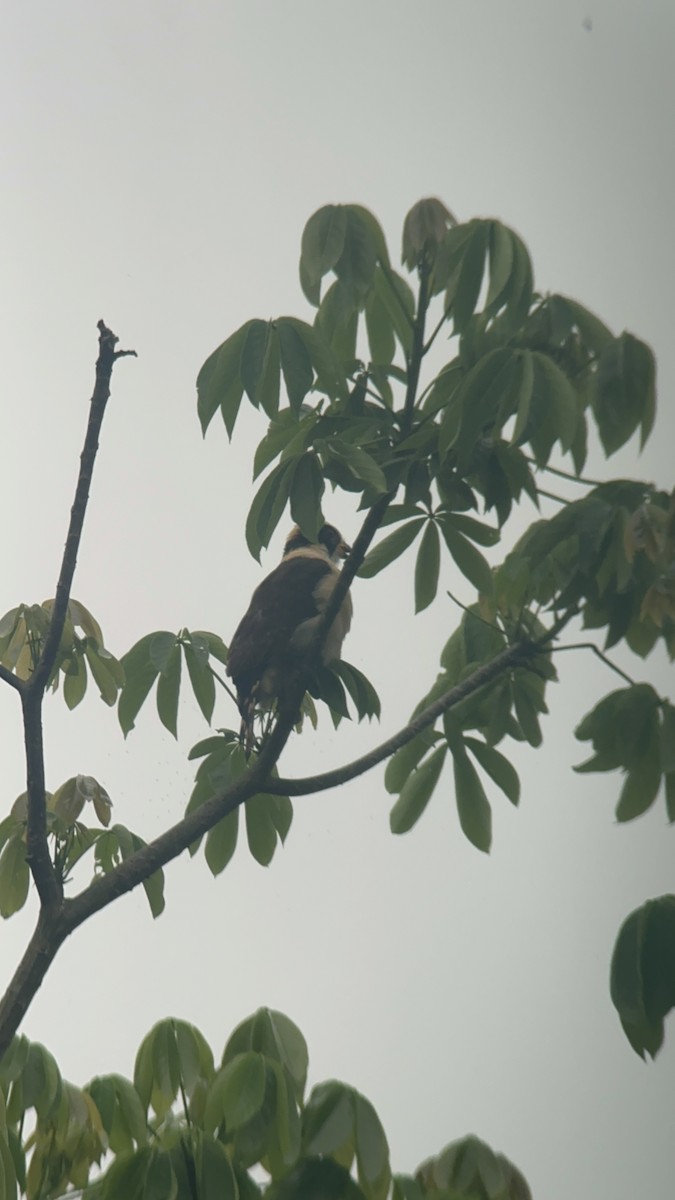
<point x="278" y="605"/>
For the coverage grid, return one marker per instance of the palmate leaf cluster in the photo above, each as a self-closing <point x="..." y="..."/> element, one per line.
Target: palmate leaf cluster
<point x="185" y="1127"/>
<point x="69" y="839"/>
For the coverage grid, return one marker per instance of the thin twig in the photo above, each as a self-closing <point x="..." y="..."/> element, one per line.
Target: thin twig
<point x="564" y="474"/>
<point x="603" y="658"/>
<point x="222" y="683"/>
<point x="432" y="338"/>
<point x="476" y="616"/>
<point x="552" y="496"/>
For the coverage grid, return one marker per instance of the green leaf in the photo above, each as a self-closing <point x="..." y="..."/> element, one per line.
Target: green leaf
<point x="484" y="392"/>
<point x="522" y="396"/>
<point x="318" y="1179"/>
<point x="323" y="241"/>
<point x="215" y="1175"/>
<point x="625" y="392"/>
<point x="284" y="1146"/>
<point x="268" y="505"/>
<point x="260" y="363"/>
<point x="406" y="759"/>
<point x="644" y="778"/>
<point x="107" y="673"/>
<point x="129" y="843"/>
<point x="372" y="1150"/>
<point x="594" y="332"/>
<point x="296" y="364"/>
<point x="361" y="690"/>
<point x="324" y="684"/>
<point x="473" y="807"/>
<point x="424" y="230"/>
<point x="380" y="329"/>
<point x="328" y="1122"/>
<point x="201" y="677"/>
<point x="75" y="682"/>
<point x="140" y="674"/>
<point x="355" y="267"/>
<point x="470" y="275"/>
<point x="469" y="560"/>
<point x="168" y="688"/>
<point x="485" y="535"/>
<point x="501" y="263"/>
<point x="221" y="842"/>
<point x="160" y="649"/>
<point x="260" y="828"/>
<point x="41" y="1080"/>
<point x="330" y="373"/>
<point x="526" y="714"/>
<point x="14" y="876"/>
<point x="126" y="1177"/>
<point x="642" y="976"/>
<point x="160" y="1181"/>
<point x="398" y="301"/>
<point x="560" y="398"/>
<point x="427" y="567"/>
<point x="337" y="322"/>
<point x="276" y="1036"/>
<point x="497" y="767"/>
<point x="307" y="488"/>
<point x="237" y="1092"/>
<point x="219" y="382"/>
<point x="361" y="465"/>
<point x="667" y="738"/>
<point x="391" y="547"/>
<point x="416" y="792"/>
<point x="517" y="294"/>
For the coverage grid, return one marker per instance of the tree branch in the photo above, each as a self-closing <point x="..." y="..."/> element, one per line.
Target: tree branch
<point x="513" y="656"/>
<point x="48" y="885"/>
<point x="12" y="679"/>
<point x="39" y="954"/>
<point x="107" y="356"/>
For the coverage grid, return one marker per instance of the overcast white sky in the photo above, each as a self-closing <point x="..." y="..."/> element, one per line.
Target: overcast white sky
<point x="160" y="160"/>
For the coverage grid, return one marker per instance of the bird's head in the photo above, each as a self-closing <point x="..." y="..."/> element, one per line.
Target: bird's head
<point x="330" y="542"/>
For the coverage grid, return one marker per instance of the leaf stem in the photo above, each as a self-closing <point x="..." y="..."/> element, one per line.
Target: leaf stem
<point x="581" y="479"/>
<point x="446" y="313"/>
<point x="599" y="654"/>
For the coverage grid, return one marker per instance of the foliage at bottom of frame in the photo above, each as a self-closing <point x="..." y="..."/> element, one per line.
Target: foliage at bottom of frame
<point x="185" y="1129"/>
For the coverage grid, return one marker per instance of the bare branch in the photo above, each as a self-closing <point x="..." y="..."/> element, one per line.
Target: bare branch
<point x="104" y="365"/>
<point x="40" y="953"/>
<point x="32" y="692"/>
<point x="49" y="886"/>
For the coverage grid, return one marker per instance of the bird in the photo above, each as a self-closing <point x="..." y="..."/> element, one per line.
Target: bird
<point x="277" y="628"/>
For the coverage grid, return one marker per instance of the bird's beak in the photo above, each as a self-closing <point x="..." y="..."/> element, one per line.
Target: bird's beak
<point x="343" y="550"/>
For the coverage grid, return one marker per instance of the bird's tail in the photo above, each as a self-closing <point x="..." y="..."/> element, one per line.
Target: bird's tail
<point x="246" y="731"/>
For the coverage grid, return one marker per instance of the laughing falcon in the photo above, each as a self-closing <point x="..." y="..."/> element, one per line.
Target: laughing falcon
<point x="281" y="619"/>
